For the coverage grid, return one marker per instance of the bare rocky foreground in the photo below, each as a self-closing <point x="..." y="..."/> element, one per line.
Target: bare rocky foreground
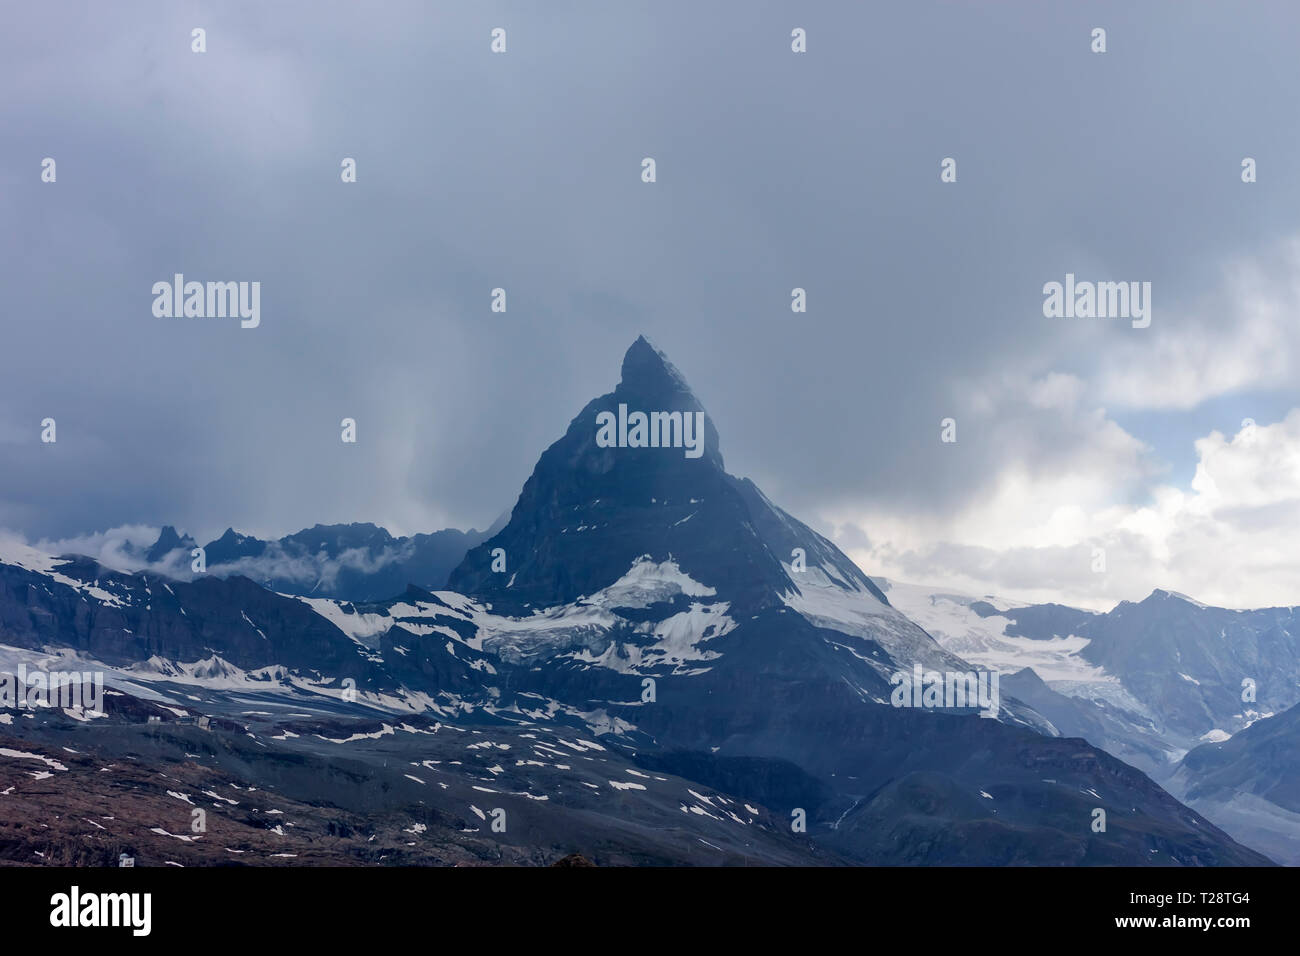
<point x="418" y="793"/>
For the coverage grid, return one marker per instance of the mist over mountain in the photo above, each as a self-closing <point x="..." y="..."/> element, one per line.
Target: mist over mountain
<point x="355" y="562"/>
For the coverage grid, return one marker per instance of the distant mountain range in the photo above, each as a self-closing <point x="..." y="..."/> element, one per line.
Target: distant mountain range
<point x="649" y="661"/>
<point x="1149" y="682"/>
<point x="353" y="562"/>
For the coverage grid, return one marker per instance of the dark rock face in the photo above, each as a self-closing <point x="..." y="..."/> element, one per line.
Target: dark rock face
<point x="146" y="616"/>
<point x="783" y="533"/>
<point x="1250" y="784"/>
<point x="1262" y="760"/>
<point x="168" y="541"/>
<point x="226" y="625"/>
<point x="588" y="512"/>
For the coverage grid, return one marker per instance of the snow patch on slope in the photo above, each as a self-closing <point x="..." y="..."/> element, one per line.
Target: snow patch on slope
<point x="827" y="601"/>
<point x="984" y="642"/>
<point x="592" y="633"/>
<point x="19" y="554"/>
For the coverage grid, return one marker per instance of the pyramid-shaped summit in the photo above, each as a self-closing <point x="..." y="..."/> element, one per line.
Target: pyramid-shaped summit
<point x="653" y="386"/>
<point x="621" y="483"/>
<point x="647" y="372"/>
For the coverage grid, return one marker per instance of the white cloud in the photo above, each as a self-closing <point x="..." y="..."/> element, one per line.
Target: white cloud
<point x="113" y="548"/>
<point x="1230" y="540"/>
<point x="1055" y="477"/>
<point x="1243" y="335"/>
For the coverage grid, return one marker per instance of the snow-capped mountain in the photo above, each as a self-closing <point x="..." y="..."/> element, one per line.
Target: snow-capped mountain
<point x="646" y="607"/>
<point x="1176" y="672"/>
<point x="589" y="514"/>
<point x="1181" y="690"/>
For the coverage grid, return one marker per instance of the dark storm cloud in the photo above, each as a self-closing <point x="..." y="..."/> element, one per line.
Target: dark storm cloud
<point x="522" y="171"/>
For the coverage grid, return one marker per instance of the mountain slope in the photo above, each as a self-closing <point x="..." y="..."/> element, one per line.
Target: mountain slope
<point x="1250" y="784"/>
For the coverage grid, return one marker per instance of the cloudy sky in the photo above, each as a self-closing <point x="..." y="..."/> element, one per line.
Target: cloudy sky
<point x="522" y="170"/>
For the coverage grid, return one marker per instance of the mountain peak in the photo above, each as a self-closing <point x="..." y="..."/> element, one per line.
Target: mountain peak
<point x="1164" y="594"/>
<point x="638" y="472"/>
<point x="168" y="541"/>
<point x="598" y="503"/>
<point x="648" y="372"/>
<point x="341" y="536"/>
